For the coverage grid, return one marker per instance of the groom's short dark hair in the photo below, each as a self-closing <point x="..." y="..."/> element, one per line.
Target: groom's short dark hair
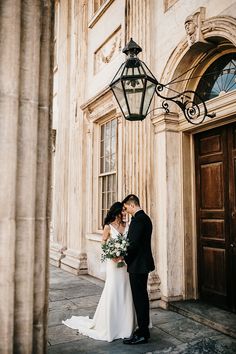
<point x="131" y="198"/>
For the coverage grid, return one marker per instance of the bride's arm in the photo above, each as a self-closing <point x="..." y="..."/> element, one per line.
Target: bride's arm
<point x="106" y="233"/>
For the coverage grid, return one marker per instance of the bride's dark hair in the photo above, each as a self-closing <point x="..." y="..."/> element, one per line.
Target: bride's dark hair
<point x="115" y="209"/>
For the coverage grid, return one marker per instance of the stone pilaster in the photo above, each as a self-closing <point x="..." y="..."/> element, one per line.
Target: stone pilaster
<point x="75" y="259"/>
<point x="168" y="209"/>
<point x="138" y="136"/>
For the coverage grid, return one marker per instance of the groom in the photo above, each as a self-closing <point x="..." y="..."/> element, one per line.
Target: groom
<point x="139" y="262"/>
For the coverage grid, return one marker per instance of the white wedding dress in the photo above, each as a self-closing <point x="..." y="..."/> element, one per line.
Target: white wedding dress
<point x="114" y="317"/>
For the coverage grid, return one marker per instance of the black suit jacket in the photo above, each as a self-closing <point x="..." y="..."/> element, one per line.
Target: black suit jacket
<point x="139" y="258"/>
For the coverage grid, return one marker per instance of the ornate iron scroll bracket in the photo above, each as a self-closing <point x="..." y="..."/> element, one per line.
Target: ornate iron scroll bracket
<point x="190" y="102"/>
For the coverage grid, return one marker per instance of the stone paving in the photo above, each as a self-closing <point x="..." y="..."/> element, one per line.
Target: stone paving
<point x="171" y="333"/>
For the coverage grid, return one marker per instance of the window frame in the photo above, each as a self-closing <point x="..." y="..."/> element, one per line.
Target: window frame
<point x="103" y="173"/>
<point x="167" y="4"/>
<point x="95" y="16"/>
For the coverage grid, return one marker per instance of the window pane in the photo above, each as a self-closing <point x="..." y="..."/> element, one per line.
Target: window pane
<point x="219" y="78"/>
<point x="110" y="183"/>
<point x="109" y="200"/>
<point x="96" y="5"/>
<point x="107" y="163"/>
<point x="113" y="162"/>
<point x="113" y="197"/>
<point x="102" y="165"/>
<point x="108" y="156"/>
<point x="113" y="145"/>
<point x="113" y="127"/>
<point x="104" y="198"/>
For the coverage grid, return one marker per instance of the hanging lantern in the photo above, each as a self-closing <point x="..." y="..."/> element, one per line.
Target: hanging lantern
<point x="133" y="85"/>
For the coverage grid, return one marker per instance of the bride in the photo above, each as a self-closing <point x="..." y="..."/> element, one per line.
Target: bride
<point x="114" y="317"/>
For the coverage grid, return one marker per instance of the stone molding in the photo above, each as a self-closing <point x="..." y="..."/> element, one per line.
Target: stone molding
<point x="223" y="26"/>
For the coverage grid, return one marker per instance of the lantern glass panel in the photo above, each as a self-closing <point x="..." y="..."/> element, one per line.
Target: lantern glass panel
<point x="150" y="90"/>
<point x="120" y="97"/>
<point x="134" y="90"/>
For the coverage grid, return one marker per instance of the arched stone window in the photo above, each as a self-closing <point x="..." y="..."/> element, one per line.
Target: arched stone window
<point x="219" y="78"/>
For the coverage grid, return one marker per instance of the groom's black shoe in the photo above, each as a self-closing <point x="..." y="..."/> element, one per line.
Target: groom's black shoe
<point x="135" y="339"/>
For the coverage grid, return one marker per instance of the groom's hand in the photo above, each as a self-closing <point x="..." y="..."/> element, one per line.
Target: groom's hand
<point x="118" y="259"/>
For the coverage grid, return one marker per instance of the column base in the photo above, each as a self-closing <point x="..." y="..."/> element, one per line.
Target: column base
<point x="56" y="254"/>
<point x="154" y="290"/>
<point x="165" y="301"/>
<point x="75" y="262"/>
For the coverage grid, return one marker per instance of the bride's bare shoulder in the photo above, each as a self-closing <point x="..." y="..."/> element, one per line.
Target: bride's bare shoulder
<point x="106" y="232"/>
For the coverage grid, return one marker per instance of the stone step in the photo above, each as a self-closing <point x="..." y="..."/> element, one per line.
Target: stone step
<point x="218" y="319"/>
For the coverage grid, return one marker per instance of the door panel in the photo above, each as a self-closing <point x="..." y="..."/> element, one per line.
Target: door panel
<point x="212" y="191"/>
<point x="213" y="214"/>
<point x="213" y="280"/>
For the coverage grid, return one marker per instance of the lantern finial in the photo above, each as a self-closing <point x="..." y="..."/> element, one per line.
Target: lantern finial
<point x="132" y="48"/>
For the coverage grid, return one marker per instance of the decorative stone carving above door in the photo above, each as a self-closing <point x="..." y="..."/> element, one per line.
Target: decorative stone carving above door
<point x="193" y="25"/>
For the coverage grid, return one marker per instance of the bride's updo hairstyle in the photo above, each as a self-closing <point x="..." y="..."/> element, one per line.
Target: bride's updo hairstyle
<point x="113" y="212"/>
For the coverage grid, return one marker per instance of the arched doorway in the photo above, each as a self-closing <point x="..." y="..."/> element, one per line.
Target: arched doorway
<point x="215" y="156"/>
<point x="185" y="68"/>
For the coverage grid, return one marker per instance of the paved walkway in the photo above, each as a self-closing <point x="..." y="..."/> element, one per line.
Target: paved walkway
<point x="171" y="333"/>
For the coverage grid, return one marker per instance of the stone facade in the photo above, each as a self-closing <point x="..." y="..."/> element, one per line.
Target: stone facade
<point x="154" y="158"/>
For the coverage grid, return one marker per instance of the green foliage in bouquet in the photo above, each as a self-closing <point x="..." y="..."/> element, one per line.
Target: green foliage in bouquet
<point x="114" y="248"/>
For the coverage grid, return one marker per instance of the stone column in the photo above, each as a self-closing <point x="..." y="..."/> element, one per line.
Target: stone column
<point x="26" y="175"/>
<point x="168" y="210"/>
<point x="25" y="28"/>
<point x="75" y="259"/>
<point x="9" y="92"/>
<point x="42" y="187"/>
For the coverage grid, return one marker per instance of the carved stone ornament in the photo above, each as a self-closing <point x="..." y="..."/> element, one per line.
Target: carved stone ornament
<point x="193" y="27"/>
<point x="109" y="50"/>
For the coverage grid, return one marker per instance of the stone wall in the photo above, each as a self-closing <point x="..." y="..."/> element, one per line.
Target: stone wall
<point x="155" y="157"/>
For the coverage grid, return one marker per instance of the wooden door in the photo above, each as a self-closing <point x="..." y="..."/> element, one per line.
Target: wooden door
<point x="216" y="214"/>
<point x="232" y="215"/>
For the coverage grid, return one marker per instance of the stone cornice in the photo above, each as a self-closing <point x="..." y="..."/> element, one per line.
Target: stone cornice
<point x="166" y="122"/>
<point x="100" y="105"/>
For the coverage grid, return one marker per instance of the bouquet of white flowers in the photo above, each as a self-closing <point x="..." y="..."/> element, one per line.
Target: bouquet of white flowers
<point x="114" y="248"/>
